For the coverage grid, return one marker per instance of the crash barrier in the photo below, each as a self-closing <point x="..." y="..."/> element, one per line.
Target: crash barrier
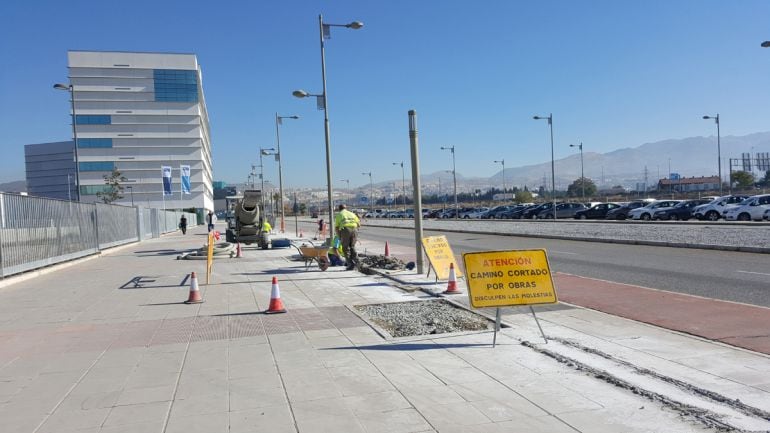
<point x="37" y="231"/>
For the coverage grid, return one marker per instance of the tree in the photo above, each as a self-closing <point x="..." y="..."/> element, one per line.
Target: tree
<point x="113" y="190"/>
<point x="576" y="188"/>
<point x="766" y="180"/>
<point x="743" y="179"/>
<point x="523" y="196"/>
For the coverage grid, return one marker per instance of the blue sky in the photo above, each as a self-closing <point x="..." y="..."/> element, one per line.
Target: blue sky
<point x="613" y="73"/>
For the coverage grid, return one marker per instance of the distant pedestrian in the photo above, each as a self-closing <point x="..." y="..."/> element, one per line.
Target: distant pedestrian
<point x="320" y="231"/>
<point x="347" y="224"/>
<point x="211" y="219"/>
<point x="183" y="224"/>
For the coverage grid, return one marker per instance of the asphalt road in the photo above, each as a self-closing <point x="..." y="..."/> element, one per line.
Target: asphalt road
<point x="732" y="276"/>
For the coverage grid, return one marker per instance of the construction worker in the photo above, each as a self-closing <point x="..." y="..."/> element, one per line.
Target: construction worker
<point x="266" y="227"/>
<point x="336" y="252"/>
<point x="347" y="224"/>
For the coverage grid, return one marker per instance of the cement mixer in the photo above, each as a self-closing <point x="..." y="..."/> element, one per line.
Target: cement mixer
<point x="244" y="219"/>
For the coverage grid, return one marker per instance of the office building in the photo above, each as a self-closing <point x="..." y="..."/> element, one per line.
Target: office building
<point x="50" y="170"/>
<point x="138" y="112"/>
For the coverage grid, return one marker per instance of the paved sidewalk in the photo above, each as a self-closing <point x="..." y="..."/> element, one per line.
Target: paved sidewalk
<point x="85" y="349"/>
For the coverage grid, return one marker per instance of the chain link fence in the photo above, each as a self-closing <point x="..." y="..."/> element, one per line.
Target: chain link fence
<point x="37" y="232"/>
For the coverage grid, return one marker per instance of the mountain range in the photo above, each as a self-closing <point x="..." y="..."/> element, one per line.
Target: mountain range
<point x="693" y="156"/>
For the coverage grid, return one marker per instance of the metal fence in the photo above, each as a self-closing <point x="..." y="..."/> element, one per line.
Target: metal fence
<point x="37" y="232"/>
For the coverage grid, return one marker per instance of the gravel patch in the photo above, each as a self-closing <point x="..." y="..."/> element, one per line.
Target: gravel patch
<point x="406" y="319"/>
<point x="720" y="234"/>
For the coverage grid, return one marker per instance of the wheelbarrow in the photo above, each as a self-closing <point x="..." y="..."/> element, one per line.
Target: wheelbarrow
<point x="317" y="254"/>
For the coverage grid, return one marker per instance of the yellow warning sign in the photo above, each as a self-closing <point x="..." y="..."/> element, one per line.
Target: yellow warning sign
<point x="506" y="278"/>
<point x="441" y="256"/>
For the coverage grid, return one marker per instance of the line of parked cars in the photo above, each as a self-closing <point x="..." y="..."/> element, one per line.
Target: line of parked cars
<point x="729" y="207"/>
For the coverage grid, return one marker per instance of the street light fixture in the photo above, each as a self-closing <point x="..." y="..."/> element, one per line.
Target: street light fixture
<point x="403" y="182"/>
<point x="719" y="151"/>
<point x="502" y="161"/>
<point x="553" y="169"/>
<point x="582" y="176"/>
<point x="325" y="32"/>
<point x="766" y="44"/>
<point x="371" y="192"/>
<point x="279" y="155"/>
<point x="347" y="181"/>
<point x="263" y="152"/>
<point x="454" y="176"/>
<point x="70" y="88"/>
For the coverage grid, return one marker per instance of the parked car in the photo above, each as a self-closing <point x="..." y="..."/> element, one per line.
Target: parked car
<point x="646" y="212"/>
<point x="682" y="211"/>
<point x="532" y="212"/>
<point x="753" y="208"/>
<point x="474" y="213"/>
<point x="493" y="212"/>
<point x="714" y="209"/>
<point x="767" y="215"/>
<point x="515" y="212"/>
<point x="621" y="213"/>
<point x="598" y="211"/>
<point x="563" y="210"/>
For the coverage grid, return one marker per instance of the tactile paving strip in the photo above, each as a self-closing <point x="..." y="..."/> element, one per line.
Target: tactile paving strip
<point x="98" y="337"/>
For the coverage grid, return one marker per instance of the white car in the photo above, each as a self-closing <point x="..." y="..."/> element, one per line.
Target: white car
<point x="767" y="215"/>
<point x="646" y="212"/>
<point x="753" y="208"/>
<point x="714" y="210"/>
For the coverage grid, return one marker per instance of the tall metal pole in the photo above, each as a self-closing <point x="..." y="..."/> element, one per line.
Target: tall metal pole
<point x="553" y="169"/>
<point x="417" y="194"/>
<point x="454" y="176"/>
<point x="75" y="137"/>
<point x="330" y="202"/>
<point x="582" y="173"/>
<point x="719" y="156"/>
<point x="502" y="161"/>
<point x="280" y="171"/>
<point x="403" y="182"/>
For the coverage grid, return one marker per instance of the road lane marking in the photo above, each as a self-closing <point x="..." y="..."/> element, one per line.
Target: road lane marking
<point x="564" y="252"/>
<point x="756" y="273"/>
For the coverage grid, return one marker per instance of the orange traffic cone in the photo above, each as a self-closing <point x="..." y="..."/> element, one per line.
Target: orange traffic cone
<point x="276" y="305"/>
<point x="238" y="251"/>
<point x="451" y="286"/>
<point x="195" y="294"/>
<point x="387" y="249"/>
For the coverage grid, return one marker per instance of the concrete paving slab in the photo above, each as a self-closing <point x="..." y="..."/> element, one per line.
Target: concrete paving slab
<point x="149" y="363"/>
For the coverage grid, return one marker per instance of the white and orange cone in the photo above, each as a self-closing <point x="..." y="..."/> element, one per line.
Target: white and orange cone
<point x="238" y="251"/>
<point x="387" y="249"/>
<point x="451" y="285"/>
<point x="276" y="305"/>
<point x="195" y="293"/>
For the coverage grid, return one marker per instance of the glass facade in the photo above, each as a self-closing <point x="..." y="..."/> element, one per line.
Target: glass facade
<point x="93" y="189"/>
<point x="97" y="166"/>
<point x="90" y="119"/>
<point x="94" y="142"/>
<point x="175" y="85"/>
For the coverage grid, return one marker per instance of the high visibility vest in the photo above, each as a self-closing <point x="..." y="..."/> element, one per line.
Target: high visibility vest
<point x="346" y="219"/>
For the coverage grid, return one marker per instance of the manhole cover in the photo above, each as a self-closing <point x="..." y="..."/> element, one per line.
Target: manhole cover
<point x="405" y="319"/>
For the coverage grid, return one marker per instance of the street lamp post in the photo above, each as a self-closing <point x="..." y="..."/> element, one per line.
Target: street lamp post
<point x="347" y="190"/>
<point x="502" y="161"/>
<point x="278" y="121"/>
<point x="70" y="88"/>
<point x="582" y="176"/>
<point x="454" y="175"/>
<point x="553" y="169"/>
<point x="719" y="151"/>
<point x="325" y="31"/>
<point x="263" y="152"/>
<point x="371" y="192"/>
<point x="131" y="190"/>
<point x="403" y="182"/>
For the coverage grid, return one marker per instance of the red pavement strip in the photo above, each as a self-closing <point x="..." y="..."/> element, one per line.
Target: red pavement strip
<point x="732" y="323"/>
